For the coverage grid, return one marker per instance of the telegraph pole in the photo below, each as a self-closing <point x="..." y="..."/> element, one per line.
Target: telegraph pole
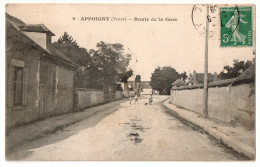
<point x="205" y="95"/>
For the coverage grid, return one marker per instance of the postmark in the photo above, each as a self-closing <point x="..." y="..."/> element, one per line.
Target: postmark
<point x="199" y="17"/>
<point x="236" y="27"/>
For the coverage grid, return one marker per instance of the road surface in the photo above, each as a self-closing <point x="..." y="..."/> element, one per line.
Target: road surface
<point x="127" y="132"/>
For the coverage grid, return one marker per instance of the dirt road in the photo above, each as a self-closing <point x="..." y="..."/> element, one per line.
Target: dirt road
<point x="127" y="132"/>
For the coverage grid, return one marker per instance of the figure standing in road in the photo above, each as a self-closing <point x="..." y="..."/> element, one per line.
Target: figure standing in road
<point x="151" y="99"/>
<point x="130" y="100"/>
<point x="136" y="98"/>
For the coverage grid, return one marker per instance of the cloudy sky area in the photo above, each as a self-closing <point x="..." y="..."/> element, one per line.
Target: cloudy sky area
<point x="152" y="44"/>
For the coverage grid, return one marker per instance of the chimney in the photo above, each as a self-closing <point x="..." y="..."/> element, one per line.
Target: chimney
<point x="48" y="42"/>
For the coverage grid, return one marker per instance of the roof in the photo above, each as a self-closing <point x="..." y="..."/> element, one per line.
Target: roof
<point x="54" y="51"/>
<point x="222" y="82"/>
<point x="178" y="82"/>
<point x="190" y="81"/>
<point x="14" y="19"/>
<point x="28" y="27"/>
<point x="247" y="76"/>
<point x="36" y="28"/>
<point x="15" y="36"/>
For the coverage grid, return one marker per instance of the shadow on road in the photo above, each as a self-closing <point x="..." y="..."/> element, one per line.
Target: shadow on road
<point x="24" y="150"/>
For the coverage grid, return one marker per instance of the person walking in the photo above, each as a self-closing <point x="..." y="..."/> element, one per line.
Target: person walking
<point x="130" y="100"/>
<point x="151" y="99"/>
<point x="136" y="98"/>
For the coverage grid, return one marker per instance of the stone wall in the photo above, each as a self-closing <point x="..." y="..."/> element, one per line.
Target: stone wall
<point x="89" y="97"/>
<point x="128" y="93"/>
<point x="119" y="95"/>
<point x="228" y="103"/>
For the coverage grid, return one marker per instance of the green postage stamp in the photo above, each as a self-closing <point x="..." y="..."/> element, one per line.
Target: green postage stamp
<point x="236" y="26"/>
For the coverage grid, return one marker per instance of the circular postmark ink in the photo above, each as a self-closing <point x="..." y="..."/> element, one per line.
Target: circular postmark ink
<point x="199" y="17"/>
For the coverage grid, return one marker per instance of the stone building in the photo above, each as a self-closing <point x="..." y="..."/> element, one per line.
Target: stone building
<point x="39" y="78"/>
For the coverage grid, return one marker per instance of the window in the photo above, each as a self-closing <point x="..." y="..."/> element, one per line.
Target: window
<point x="18" y="86"/>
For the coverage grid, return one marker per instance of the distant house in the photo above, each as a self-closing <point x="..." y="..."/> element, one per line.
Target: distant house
<point x="39" y="78"/>
<point x="146" y="85"/>
<point x="178" y="83"/>
<point x="143" y="85"/>
<point x="198" y="78"/>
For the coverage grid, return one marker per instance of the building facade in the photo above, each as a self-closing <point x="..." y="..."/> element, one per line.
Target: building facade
<point x="39" y="78"/>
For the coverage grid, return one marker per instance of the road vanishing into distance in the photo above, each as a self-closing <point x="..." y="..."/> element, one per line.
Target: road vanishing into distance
<point x="127" y="132"/>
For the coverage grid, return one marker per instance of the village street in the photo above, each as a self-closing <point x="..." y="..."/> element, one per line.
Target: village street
<point x="127" y="132"/>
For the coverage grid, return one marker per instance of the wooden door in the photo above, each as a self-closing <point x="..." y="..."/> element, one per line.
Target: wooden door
<point x="47" y="90"/>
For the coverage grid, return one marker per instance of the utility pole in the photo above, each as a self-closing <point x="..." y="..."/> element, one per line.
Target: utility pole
<point x="205" y="95"/>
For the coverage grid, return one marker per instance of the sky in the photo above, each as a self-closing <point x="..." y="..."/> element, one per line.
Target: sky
<point x="152" y="43"/>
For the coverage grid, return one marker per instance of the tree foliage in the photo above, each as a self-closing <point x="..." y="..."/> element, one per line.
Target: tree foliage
<point x="125" y="75"/>
<point x="108" y="64"/>
<point x="137" y="78"/>
<point x="162" y="78"/>
<point x="69" y="47"/>
<point x="184" y="75"/>
<point x="98" y="69"/>
<point x="234" y="71"/>
<point x="80" y="56"/>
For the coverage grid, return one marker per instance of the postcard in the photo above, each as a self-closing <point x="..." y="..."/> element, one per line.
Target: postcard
<point x="130" y="82"/>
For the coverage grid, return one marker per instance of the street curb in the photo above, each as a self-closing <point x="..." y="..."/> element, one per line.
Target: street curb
<point x="9" y="147"/>
<point x="51" y="129"/>
<point x="230" y="142"/>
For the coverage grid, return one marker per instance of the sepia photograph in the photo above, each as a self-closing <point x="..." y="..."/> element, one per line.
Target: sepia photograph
<point x="130" y="82"/>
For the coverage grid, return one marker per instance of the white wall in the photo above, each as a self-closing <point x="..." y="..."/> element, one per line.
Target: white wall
<point x="230" y="103"/>
<point x="39" y="38"/>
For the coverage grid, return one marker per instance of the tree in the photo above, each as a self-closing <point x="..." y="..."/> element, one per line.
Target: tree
<point x="232" y="72"/>
<point x="80" y="56"/>
<point x="162" y="78"/>
<point x="183" y="75"/>
<point x="137" y="78"/>
<point x="138" y="87"/>
<point x="124" y="76"/>
<point x="66" y="39"/>
<point x="69" y="47"/>
<point x="108" y="63"/>
<point x="98" y="69"/>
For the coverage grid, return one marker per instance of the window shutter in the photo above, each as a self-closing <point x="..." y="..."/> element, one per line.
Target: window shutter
<point x="10" y="87"/>
<point x="25" y="78"/>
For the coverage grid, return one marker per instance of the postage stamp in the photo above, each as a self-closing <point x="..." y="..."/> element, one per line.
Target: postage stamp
<point x="236" y="26"/>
